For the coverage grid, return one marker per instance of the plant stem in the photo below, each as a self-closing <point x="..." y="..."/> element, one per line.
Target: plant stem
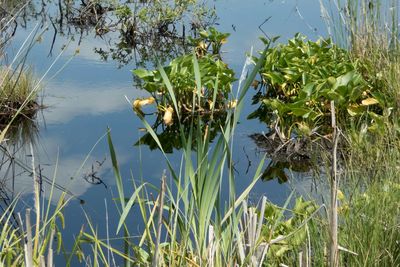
<point x="334" y="261"/>
<point x="160" y="213"/>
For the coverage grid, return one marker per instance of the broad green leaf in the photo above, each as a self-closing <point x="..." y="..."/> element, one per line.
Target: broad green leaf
<point x="345" y="79"/>
<point x="275" y="77"/>
<point x="308" y="88"/>
<point x="300" y="112"/>
<point x="142" y="73"/>
<point x="380" y="97"/>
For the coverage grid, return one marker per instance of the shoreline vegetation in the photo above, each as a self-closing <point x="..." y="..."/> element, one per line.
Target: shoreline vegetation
<point x="340" y="94"/>
<point x="16" y="89"/>
<point x="19" y="87"/>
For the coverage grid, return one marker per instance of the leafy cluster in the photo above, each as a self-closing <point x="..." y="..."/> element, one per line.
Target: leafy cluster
<point x="180" y="73"/>
<point x="300" y="78"/>
<point x="294" y="228"/>
<point x="209" y="42"/>
<point x="216" y="78"/>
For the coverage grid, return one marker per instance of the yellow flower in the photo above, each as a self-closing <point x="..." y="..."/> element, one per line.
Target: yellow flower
<point x="168" y="120"/>
<point x="340" y="195"/>
<point x="139" y="103"/>
<point x="232" y="104"/>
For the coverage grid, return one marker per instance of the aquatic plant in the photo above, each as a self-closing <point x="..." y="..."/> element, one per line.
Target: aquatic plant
<point x="209" y="41"/>
<point x="199" y="228"/>
<point x="192" y="98"/>
<point x="300" y="78"/>
<point x="369" y="31"/>
<point x="180" y="72"/>
<point x="195" y="221"/>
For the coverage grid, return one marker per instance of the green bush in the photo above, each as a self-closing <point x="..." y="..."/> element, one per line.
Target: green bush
<point x="300" y="78"/>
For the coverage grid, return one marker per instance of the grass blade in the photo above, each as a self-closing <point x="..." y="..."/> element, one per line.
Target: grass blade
<point x="128" y="206"/>
<point x="115" y="166"/>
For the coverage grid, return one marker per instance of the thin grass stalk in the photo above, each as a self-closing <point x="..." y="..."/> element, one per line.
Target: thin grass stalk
<point x="308" y="247"/>
<point x="97" y="244"/>
<point x="28" y="243"/>
<point x="117" y="173"/>
<point x="50" y="250"/>
<point x="36" y="188"/>
<point x="334" y="252"/>
<point x="159" y="225"/>
<point x="109" y="252"/>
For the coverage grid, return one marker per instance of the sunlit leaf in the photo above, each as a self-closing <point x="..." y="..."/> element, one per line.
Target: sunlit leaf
<point x="369" y="101"/>
<point x="142" y="73"/>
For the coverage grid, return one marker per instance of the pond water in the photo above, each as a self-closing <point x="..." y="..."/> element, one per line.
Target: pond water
<point x="88" y="94"/>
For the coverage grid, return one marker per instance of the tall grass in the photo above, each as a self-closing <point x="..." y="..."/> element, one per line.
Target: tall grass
<point x="29" y="241"/>
<point x="371" y="225"/>
<point x="189" y="223"/>
<point x="369" y="203"/>
<point x="369" y="30"/>
<point x="369" y="214"/>
<point x="190" y="213"/>
<point x="360" y="24"/>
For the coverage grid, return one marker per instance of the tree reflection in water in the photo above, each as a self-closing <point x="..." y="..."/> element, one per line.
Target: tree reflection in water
<point x="131" y="31"/>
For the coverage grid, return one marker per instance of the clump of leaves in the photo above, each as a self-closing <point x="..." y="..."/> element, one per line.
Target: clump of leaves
<point x="208" y="65"/>
<point x="293" y="227"/>
<point x="209" y="42"/>
<point x="300" y="78"/>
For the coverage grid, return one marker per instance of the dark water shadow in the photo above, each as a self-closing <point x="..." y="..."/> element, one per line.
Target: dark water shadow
<point x="296" y="155"/>
<point x="170" y="137"/>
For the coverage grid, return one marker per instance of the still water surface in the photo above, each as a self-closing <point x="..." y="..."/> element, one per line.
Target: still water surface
<point x="87" y="95"/>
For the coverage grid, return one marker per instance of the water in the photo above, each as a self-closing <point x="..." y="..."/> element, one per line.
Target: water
<point x="88" y="95"/>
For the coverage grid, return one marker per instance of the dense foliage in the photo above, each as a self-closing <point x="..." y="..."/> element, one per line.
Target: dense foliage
<point x="211" y="94"/>
<point x="300" y="78"/>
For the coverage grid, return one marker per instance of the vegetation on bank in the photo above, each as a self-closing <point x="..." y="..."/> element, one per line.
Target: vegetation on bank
<point x="300" y="78"/>
<point x="188" y="224"/>
<point x="18" y="86"/>
<point x="16" y="90"/>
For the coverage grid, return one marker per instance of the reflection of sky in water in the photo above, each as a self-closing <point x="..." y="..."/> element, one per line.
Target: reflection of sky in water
<point x="88" y="96"/>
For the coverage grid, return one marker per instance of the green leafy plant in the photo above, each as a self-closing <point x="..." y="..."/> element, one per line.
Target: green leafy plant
<point x="300" y="78"/>
<point x="293" y="227"/>
<point x="191" y="97"/>
<point x="169" y="136"/>
<point x="209" y="42"/>
<point x="188" y="224"/>
<point x="180" y="72"/>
